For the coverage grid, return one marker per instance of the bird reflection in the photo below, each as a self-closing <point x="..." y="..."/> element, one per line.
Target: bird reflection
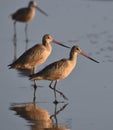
<point x="26" y="73"/>
<point x="38" y="118"/>
<point x="15" y="47"/>
<point x="54" y="116"/>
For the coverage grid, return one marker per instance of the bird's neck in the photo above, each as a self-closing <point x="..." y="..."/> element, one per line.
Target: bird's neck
<point x="32" y="8"/>
<point x="73" y="57"/>
<point x="47" y="45"/>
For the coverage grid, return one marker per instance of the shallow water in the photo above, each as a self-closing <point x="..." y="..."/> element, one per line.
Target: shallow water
<point x="89" y="87"/>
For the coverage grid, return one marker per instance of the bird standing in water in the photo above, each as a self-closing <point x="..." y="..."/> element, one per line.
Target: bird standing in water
<point x="60" y="69"/>
<point x="36" y="55"/>
<point x="25" y="15"/>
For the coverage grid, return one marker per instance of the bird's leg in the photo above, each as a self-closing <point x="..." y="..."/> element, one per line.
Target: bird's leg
<point x="62" y="94"/>
<point x="33" y="70"/>
<point x="26" y="35"/>
<point x="14" y="24"/>
<point x="53" y="90"/>
<point x="14" y="40"/>
<point x="35" y="86"/>
<point x="58" y="90"/>
<point x="51" y="85"/>
<point x="15" y="49"/>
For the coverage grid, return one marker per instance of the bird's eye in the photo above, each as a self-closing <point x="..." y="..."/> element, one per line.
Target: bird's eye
<point x="48" y="37"/>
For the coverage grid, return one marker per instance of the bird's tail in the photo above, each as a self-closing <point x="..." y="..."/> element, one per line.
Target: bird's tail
<point x="10" y="66"/>
<point x="16" y="66"/>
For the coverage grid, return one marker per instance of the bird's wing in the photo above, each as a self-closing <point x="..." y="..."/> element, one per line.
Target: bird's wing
<point x="20" y="12"/>
<point x="54" y="70"/>
<point x="31" y="55"/>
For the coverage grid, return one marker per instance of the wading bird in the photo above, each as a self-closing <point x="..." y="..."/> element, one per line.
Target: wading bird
<point x="25" y="15"/>
<point x="36" y="55"/>
<point x="60" y="69"/>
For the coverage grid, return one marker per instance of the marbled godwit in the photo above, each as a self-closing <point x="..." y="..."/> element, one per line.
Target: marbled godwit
<point x="26" y="15"/>
<point x="60" y="69"/>
<point x="36" y="55"/>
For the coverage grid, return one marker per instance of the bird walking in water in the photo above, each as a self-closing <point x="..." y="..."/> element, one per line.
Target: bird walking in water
<point x="36" y="55"/>
<point x="60" y="69"/>
<point x="25" y="15"/>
